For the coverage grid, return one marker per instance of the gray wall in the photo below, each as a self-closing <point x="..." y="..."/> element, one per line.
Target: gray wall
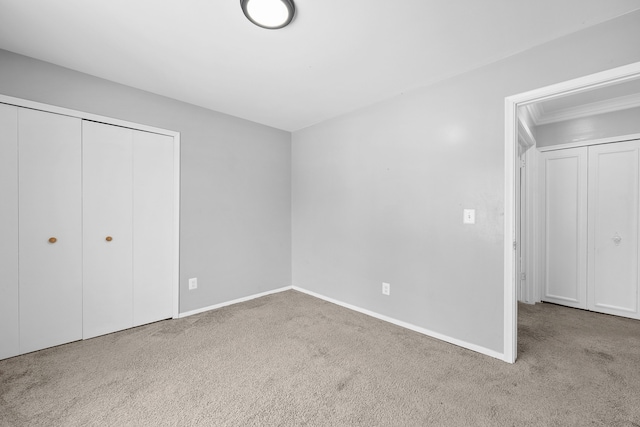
<point x="235" y="179"/>
<point x="378" y="194"/>
<point x="616" y="123"/>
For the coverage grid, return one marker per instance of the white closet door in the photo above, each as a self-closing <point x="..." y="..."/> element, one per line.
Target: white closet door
<point x="108" y="234"/>
<point x="564" y="187"/>
<point x="613" y="228"/>
<point x="9" y="329"/>
<point x="153" y="227"/>
<point x="50" y="248"/>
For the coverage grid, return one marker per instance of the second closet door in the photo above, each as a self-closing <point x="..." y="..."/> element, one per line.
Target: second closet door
<point x="153" y="227"/>
<point x="614" y="191"/>
<point x="108" y="228"/>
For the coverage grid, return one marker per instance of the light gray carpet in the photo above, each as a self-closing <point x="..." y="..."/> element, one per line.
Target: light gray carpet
<point x="292" y="360"/>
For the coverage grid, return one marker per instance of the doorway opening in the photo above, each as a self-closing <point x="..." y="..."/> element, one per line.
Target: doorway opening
<point x="523" y="115"/>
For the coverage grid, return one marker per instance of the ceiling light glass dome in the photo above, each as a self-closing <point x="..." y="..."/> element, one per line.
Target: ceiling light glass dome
<point x="270" y="14"/>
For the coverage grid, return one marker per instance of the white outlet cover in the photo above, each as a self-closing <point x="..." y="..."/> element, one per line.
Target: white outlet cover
<point x="193" y="283"/>
<point x="386" y="288"/>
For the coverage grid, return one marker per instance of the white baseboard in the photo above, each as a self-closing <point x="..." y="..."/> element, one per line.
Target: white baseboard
<point x="442" y="337"/>
<point x="235" y="301"/>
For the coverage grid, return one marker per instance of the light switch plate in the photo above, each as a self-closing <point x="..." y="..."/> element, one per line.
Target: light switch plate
<point x="469" y="216"/>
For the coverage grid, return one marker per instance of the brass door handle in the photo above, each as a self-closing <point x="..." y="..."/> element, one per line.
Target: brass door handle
<point x="109" y="238"/>
<point x="52" y="240"/>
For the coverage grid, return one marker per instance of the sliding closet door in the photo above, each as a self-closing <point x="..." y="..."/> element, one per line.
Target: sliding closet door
<point x="50" y="248"/>
<point x="564" y="195"/>
<point x="108" y="233"/>
<point x="613" y="228"/>
<point x="9" y="329"/>
<point x="153" y="227"/>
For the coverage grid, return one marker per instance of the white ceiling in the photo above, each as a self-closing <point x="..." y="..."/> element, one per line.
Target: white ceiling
<point x="335" y="57"/>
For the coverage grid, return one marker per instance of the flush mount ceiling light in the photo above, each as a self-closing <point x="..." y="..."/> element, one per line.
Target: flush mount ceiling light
<point x="270" y="14"/>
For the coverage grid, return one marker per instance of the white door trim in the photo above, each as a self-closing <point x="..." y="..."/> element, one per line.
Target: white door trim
<point x="512" y="103"/>
<point x="531" y="295"/>
<point x="4" y="99"/>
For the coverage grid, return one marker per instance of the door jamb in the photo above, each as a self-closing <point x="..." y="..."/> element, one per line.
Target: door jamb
<point x="604" y="78"/>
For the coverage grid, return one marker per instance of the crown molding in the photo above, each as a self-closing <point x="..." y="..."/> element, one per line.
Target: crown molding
<point x="540" y="117"/>
<point x="535" y="113"/>
<point x="525" y="135"/>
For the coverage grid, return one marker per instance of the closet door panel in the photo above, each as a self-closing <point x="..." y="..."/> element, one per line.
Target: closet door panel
<point x="613" y="228"/>
<point x="9" y="328"/>
<point x="50" y="248"/>
<point x="108" y="234"/>
<point x="153" y="227"/>
<point x="565" y="219"/>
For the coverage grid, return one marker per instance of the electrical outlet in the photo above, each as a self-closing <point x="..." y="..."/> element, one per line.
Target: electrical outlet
<point x="193" y="283"/>
<point x="386" y="288"/>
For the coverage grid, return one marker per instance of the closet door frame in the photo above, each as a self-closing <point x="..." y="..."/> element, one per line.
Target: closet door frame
<point x="18" y="102"/>
<point x="538" y="248"/>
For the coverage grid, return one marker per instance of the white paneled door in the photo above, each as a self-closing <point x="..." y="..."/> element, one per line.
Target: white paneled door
<point x="128" y="227"/>
<point x="591" y="219"/>
<point x="153" y="227"/>
<point x="613" y="229"/>
<point x="108" y="229"/>
<point x="9" y="326"/>
<point x="50" y="212"/>
<point x="564" y="197"/>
